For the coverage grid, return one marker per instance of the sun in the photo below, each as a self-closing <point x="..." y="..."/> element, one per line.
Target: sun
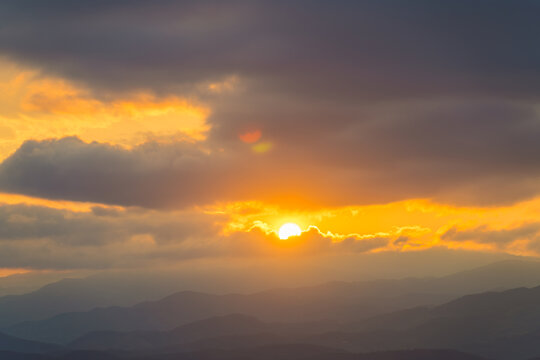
<point x="289" y="229"/>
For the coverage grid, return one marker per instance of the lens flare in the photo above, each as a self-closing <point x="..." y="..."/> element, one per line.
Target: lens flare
<point x="262" y="147"/>
<point x="251" y="136"/>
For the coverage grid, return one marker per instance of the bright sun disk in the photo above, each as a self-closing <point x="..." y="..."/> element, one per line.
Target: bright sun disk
<point x="289" y="229"/>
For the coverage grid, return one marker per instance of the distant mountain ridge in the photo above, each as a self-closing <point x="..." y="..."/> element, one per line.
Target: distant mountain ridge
<point x="497" y="325"/>
<point x="76" y="295"/>
<point x="11" y="343"/>
<point x="234" y="324"/>
<point x="500" y="325"/>
<point x="337" y="301"/>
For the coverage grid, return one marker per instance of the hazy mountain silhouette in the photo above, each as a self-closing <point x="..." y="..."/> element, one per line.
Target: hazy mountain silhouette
<point x="235" y="324"/>
<point x="504" y="325"/>
<point x="501" y="325"/>
<point x="336" y="301"/>
<point x="82" y="295"/>
<point x="11" y="343"/>
<point x="489" y="314"/>
<point x="511" y="347"/>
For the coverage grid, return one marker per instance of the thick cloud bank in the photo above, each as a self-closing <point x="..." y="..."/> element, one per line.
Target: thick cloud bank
<point x="344" y="49"/>
<point x="356" y="101"/>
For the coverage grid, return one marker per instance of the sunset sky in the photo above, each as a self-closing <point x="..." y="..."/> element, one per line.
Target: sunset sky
<point x="145" y="135"/>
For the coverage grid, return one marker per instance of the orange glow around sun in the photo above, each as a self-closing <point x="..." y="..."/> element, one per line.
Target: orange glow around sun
<point x="421" y="222"/>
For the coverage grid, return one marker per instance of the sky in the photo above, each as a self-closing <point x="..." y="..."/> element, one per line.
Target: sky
<point x="148" y="135"/>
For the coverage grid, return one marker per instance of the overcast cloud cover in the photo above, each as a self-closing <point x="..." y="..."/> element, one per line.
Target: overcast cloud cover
<point x="390" y="99"/>
<point x="356" y="102"/>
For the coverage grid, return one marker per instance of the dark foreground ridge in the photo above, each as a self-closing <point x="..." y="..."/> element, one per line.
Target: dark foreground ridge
<point x="282" y="352"/>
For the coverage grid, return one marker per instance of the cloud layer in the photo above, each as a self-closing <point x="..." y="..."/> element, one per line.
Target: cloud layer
<point x="39" y="237"/>
<point x="388" y="100"/>
<point x="365" y="50"/>
<point x="169" y="108"/>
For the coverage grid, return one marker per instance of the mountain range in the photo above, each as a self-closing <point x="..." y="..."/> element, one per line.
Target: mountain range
<point x="362" y="320"/>
<point x="330" y="302"/>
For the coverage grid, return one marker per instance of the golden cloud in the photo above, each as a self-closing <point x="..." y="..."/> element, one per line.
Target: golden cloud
<point x="38" y="107"/>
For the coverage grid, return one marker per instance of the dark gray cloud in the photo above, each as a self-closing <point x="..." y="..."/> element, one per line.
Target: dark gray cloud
<point x="150" y="175"/>
<point x="86" y="229"/>
<point x="501" y="238"/>
<point x="466" y="153"/>
<point x="153" y="175"/>
<point x="387" y="99"/>
<point x="355" y="50"/>
<point x="46" y="238"/>
<point x="476" y="151"/>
